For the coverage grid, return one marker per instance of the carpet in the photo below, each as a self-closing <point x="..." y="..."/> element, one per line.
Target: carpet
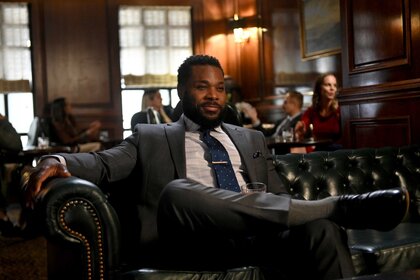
<point x="22" y="258"/>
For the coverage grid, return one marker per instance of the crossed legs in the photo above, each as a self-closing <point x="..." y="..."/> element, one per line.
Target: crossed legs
<point x="198" y="222"/>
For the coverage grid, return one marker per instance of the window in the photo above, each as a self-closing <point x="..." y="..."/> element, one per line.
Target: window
<point x="154" y="41"/>
<point x="16" y="98"/>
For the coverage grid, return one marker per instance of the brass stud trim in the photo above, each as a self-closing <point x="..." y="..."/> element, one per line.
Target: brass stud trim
<point x="82" y="238"/>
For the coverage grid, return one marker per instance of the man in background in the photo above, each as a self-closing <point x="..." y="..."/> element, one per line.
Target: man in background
<point x="10" y="143"/>
<point x="292" y="107"/>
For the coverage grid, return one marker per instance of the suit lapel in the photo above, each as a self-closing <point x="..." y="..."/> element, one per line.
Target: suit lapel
<point x="175" y="135"/>
<point x="242" y="144"/>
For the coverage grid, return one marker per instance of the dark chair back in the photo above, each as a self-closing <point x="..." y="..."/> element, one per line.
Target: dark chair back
<point x="39" y="127"/>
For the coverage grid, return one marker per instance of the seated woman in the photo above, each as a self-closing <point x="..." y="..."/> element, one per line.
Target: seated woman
<point x="152" y="109"/>
<point x="322" y="119"/>
<point x="66" y="131"/>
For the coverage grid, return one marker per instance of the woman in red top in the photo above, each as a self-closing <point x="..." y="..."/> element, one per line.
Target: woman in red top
<point x="322" y="119"/>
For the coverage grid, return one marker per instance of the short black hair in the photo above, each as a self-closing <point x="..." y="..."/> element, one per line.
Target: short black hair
<point x="298" y="96"/>
<point x="184" y="71"/>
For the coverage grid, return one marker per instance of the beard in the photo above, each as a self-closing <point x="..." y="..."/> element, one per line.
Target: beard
<point x="192" y="111"/>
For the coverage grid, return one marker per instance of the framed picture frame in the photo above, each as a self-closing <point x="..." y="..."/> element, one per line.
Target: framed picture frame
<point x="320" y="28"/>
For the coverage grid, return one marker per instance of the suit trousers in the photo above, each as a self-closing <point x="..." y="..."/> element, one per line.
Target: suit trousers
<point x="207" y="228"/>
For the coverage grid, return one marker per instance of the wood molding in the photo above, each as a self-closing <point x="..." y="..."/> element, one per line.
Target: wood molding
<point x="406" y="89"/>
<point x="379" y="132"/>
<point x="375" y="41"/>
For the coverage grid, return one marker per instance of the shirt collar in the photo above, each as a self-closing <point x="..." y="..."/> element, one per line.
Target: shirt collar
<point x="294" y="116"/>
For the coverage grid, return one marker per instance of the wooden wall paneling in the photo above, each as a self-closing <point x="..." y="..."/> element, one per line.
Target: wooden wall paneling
<point x="379" y="33"/>
<point x="379" y="132"/>
<point x="214" y="34"/>
<point x="38" y="57"/>
<point x="76" y="41"/>
<point x="112" y="117"/>
<point x="391" y="101"/>
<point x="251" y="72"/>
<point x="79" y="60"/>
<point x="380" y="41"/>
<point x="380" y="97"/>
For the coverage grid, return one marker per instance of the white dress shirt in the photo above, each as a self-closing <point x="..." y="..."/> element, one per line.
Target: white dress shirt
<point x="196" y="152"/>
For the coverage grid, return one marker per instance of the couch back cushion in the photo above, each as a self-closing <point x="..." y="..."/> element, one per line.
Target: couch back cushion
<point x="351" y="171"/>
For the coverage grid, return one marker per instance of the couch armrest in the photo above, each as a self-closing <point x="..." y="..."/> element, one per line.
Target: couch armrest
<point x="81" y="228"/>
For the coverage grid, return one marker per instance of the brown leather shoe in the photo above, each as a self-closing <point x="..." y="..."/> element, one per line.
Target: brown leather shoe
<point x="381" y="210"/>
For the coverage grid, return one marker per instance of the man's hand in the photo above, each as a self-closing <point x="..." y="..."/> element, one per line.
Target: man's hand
<point x="34" y="178"/>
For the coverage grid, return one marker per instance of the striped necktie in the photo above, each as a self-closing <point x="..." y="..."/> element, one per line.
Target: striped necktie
<point x="220" y="162"/>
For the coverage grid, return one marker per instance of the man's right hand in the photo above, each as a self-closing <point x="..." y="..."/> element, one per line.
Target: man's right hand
<point x="34" y="178"/>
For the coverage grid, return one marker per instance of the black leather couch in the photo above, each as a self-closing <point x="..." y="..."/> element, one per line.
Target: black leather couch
<point x="85" y="238"/>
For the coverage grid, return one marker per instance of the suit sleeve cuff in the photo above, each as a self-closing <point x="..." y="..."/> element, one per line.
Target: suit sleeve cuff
<point x="57" y="157"/>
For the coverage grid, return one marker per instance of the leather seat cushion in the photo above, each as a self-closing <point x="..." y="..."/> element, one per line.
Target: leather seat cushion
<point x="244" y="273"/>
<point x="385" y="251"/>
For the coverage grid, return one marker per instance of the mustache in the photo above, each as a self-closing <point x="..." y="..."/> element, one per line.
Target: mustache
<point x="210" y="103"/>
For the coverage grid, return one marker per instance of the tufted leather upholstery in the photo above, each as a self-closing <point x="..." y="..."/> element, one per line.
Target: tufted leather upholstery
<point x="84" y="232"/>
<point x="321" y="174"/>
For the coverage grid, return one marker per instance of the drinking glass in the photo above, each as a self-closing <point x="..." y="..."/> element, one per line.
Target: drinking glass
<point x="253" y="187"/>
<point x="287" y="135"/>
<point x="43" y="142"/>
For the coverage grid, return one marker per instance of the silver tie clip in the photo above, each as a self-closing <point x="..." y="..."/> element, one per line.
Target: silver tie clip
<point x="219" y="162"/>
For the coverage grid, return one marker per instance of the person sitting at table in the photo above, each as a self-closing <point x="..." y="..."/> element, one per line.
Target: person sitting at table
<point x="322" y="119"/>
<point x="292" y="106"/>
<point x="10" y="143"/>
<point x="66" y="131"/>
<point x="152" y="110"/>
<point x="9" y="138"/>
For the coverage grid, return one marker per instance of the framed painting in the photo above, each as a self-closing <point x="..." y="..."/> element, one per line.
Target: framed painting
<point x="320" y="29"/>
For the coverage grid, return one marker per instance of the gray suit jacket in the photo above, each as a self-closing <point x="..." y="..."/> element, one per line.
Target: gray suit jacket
<point x="155" y="154"/>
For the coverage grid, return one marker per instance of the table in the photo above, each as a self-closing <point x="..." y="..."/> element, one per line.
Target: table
<point x="279" y="146"/>
<point x="29" y="154"/>
<point x="35" y="153"/>
<point x="13" y="163"/>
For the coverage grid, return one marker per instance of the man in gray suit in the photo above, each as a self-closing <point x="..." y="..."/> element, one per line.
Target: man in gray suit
<point x="179" y="204"/>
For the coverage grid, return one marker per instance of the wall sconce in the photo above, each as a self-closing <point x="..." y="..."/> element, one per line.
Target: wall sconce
<point x="240" y="34"/>
<point x="242" y="27"/>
